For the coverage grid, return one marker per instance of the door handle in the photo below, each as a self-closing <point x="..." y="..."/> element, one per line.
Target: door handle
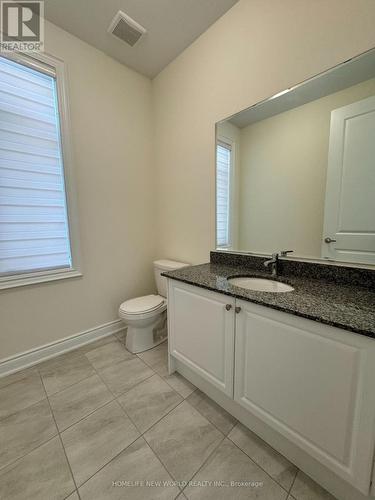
<point x="329" y="240"/>
<point x="228" y="307"/>
<point x="238" y="309"/>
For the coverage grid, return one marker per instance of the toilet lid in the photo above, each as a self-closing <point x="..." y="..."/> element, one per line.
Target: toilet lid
<point x="142" y="304"/>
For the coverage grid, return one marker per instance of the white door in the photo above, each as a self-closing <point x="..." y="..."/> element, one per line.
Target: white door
<point x="312" y="383"/>
<point x="349" y="215"/>
<point x="201" y="332"/>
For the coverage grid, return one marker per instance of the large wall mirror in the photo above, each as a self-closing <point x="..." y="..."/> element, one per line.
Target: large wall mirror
<point x="297" y="171"/>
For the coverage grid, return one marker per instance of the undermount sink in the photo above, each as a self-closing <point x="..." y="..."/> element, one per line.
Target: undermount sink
<point x="260" y="285"/>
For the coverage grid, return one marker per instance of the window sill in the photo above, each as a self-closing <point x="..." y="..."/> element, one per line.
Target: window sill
<point x="40" y="278"/>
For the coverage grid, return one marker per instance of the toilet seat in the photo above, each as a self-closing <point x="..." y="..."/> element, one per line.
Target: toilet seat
<point x="141" y="306"/>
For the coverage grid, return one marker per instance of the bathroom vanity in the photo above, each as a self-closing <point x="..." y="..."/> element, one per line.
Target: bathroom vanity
<point x="292" y="359"/>
<point x="297" y="367"/>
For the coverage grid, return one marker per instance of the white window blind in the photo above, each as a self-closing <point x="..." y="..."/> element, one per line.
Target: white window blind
<point x="34" y="233"/>
<point x="223" y="175"/>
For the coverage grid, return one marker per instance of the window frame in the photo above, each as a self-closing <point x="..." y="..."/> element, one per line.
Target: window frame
<point x="225" y="141"/>
<point x="42" y="62"/>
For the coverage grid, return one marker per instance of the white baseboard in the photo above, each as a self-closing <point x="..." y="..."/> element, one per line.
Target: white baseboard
<point x="34" y="356"/>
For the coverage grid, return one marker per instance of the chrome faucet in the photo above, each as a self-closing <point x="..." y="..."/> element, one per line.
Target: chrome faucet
<point x="274" y="261"/>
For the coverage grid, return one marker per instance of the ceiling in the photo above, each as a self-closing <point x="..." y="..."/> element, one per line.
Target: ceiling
<point x="172" y="25"/>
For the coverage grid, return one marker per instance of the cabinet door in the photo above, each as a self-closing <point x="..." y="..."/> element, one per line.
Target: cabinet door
<point x="312" y="383"/>
<point x="201" y="332"/>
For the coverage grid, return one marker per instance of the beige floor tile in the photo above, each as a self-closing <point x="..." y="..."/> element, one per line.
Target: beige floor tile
<point x="130" y="470"/>
<point x="155" y="355"/>
<point x="183" y="440"/>
<point x="94" y="441"/>
<point x="64" y="357"/>
<point x="304" y="488"/>
<point x="212" y="411"/>
<point x="73" y="496"/>
<point x="25" y="430"/>
<point x="157" y="359"/>
<point x="149" y="401"/>
<point x="270" y="460"/>
<point x="108" y="355"/>
<point x="124" y="375"/>
<point x="64" y="371"/>
<point x="19" y="395"/>
<point x="43" y="474"/>
<point x="16" y="377"/>
<point x="97" y="343"/>
<point x="161" y="368"/>
<point x="78" y="401"/>
<point x="228" y="464"/>
<point x="180" y="384"/>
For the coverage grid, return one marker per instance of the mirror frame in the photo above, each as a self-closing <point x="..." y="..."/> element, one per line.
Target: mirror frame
<point x="317" y="260"/>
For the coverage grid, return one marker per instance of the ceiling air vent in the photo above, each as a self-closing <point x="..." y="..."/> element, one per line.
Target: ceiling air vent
<point x="126" y="29"/>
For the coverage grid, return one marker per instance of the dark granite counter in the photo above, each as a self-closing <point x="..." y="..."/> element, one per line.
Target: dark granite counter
<point x="332" y="302"/>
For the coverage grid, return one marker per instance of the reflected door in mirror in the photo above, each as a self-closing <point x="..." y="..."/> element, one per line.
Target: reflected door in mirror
<point x="349" y="215"/>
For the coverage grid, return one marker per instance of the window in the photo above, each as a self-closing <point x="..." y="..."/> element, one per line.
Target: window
<point x="35" y="231"/>
<point x="223" y="198"/>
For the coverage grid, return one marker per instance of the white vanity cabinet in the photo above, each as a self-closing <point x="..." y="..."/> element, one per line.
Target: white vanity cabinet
<point x="311" y="383"/>
<point x="201" y="332"/>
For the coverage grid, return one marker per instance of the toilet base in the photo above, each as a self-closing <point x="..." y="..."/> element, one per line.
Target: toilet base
<point x="141" y="338"/>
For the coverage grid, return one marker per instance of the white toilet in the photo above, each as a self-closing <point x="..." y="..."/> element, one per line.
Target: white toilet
<point x="146" y="317"/>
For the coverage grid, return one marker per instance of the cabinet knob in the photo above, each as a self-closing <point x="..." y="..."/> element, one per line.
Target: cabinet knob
<point x="329" y="240"/>
<point x="238" y="309"/>
<point x="228" y="307"/>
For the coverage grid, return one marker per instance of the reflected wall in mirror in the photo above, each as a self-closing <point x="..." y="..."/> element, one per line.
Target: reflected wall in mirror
<point x="297" y="171"/>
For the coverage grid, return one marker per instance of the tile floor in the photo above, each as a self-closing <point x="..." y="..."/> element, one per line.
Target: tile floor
<point x="100" y="423"/>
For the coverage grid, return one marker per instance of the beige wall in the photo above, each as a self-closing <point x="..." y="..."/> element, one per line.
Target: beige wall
<point x="111" y="132"/>
<point x="282" y="176"/>
<point x="255" y="50"/>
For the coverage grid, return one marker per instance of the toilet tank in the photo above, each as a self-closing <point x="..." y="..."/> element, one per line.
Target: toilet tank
<point x="161" y="266"/>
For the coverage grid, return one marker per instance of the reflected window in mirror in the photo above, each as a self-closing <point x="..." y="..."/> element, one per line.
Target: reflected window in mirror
<point x="224" y="175"/>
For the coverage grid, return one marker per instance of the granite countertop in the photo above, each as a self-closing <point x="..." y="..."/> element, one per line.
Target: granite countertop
<point x="351" y="307"/>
